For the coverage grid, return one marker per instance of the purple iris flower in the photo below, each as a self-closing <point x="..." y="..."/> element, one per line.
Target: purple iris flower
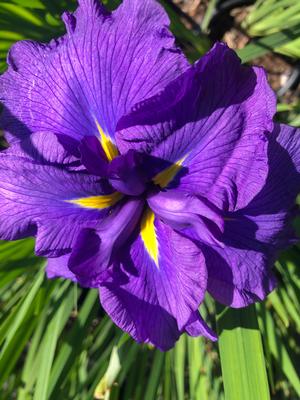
<point x="143" y="176"/>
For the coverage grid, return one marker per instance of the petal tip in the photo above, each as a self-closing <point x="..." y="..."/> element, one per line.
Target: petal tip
<point x="69" y="21"/>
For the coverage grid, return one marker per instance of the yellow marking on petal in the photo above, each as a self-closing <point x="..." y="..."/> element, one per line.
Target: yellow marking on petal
<point x="164" y="177"/>
<point x="148" y="235"/>
<point x="108" y="146"/>
<point x="98" y="202"/>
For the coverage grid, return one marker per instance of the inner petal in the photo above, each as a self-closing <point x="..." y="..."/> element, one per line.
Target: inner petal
<point x="128" y="173"/>
<point x="95" y="249"/>
<point x="93" y="156"/>
<point x="191" y="215"/>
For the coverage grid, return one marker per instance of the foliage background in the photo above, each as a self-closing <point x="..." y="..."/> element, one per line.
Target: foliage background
<point x="57" y="343"/>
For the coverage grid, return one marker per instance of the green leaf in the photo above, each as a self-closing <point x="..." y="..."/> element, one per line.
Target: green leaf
<point x="241" y="352"/>
<point x="279" y="350"/>
<point x="70" y="347"/>
<point x="279" y="307"/>
<point x="167" y="383"/>
<point x="197" y="377"/>
<point x="197" y="40"/>
<point x="21" y="312"/>
<point x="271" y="16"/>
<point x="259" y="47"/>
<point x="63" y="307"/>
<point x="179" y="364"/>
<point x="155" y="376"/>
<point x="30" y="370"/>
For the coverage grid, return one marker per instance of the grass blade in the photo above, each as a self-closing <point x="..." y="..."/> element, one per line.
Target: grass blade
<point x="155" y="375"/>
<point x="64" y="306"/>
<point x="279" y="351"/>
<point x="179" y="365"/>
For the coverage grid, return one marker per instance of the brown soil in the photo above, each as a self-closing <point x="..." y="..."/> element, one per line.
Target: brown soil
<point x="277" y="68"/>
<point x="194" y="8"/>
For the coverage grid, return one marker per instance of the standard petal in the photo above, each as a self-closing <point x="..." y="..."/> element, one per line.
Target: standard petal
<point x="185" y="212"/>
<point x="240" y="273"/>
<point x="95" y="249"/>
<point x="82" y="83"/>
<point x="48" y="202"/>
<point x="154" y="299"/>
<point x="211" y="120"/>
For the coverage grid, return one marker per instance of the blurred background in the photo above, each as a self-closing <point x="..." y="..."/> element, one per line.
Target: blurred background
<point x="55" y="340"/>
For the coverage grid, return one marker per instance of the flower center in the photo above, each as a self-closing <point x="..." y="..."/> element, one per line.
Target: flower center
<point x="128" y="173"/>
<point x="131" y="174"/>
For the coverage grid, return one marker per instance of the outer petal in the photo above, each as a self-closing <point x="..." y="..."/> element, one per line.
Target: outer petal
<point x="283" y="181"/>
<point x="154" y="302"/>
<point x="198" y="327"/>
<point x="93" y="75"/>
<point x="36" y="199"/>
<point x="241" y="273"/>
<point x="212" y="120"/>
<point x="44" y="148"/>
<point x="58" y="268"/>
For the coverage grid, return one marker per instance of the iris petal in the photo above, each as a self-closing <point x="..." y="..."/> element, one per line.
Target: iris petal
<point x="92" y="156"/>
<point x="240" y="273"/>
<point x="97" y="71"/>
<point x="95" y="249"/>
<point x="156" y="304"/>
<point x="216" y="115"/>
<point x="127" y="173"/>
<point x="35" y="199"/>
<point x="191" y="215"/>
<point x="58" y="268"/>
